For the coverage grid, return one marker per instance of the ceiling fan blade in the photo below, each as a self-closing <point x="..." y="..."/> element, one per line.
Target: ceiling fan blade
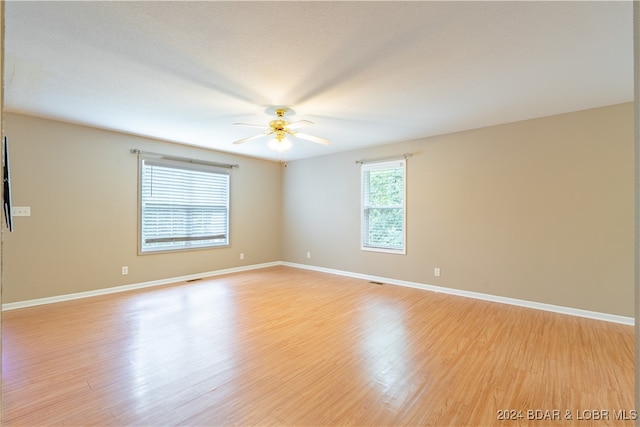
<point x="241" y="141"/>
<point x="250" y="125"/>
<point x="312" y="138"/>
<point x="299" y="124"/>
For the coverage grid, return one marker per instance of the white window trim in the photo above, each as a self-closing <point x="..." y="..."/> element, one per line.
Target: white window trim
<point x="179" y="164"/>
<point x="383" y="165"/>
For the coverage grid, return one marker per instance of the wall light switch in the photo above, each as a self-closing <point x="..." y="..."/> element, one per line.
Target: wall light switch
<point x="21" y="211"/>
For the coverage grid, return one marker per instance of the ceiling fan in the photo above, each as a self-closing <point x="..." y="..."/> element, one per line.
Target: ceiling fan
<point x="280" y="128"/>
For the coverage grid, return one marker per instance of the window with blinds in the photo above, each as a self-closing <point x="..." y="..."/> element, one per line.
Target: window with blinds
<point x="383" y="206"/>
<point x="182" y="205"/>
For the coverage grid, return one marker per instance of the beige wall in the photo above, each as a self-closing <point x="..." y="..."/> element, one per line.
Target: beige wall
<point x="81" y="185"/>
<point x="540" y="210"/>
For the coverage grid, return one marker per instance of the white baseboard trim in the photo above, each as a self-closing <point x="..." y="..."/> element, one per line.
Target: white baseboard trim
<point x="469" y="294"/>
<point x="477" y="295"/>
<point x="124" y="288"/>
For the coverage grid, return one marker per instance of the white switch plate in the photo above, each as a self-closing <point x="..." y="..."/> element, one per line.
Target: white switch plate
<point x="21" y="211"/>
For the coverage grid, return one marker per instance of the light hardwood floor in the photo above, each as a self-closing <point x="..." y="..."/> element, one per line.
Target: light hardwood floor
<point x="284" y="346"/>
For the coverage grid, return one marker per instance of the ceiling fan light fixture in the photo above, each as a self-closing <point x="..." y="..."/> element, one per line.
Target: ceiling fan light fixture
<point x="279" y="145"/>
<point x="280" y="129"/>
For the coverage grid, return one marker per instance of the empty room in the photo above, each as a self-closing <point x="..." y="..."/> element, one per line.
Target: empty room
<point x="318" y="213"/>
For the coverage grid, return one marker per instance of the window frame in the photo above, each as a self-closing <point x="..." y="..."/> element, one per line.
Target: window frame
<point x="377" y="165"/>
<point x="190" y="165"/>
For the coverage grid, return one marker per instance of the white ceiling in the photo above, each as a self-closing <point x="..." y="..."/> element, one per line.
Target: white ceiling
<point x="365" y="73"/>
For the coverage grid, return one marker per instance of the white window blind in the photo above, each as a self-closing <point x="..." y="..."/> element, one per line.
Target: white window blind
<point x="383" y="206"/>
<point x="182" y="205"/>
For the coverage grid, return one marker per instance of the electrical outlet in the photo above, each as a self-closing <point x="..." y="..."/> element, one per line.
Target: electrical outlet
<point x="125" y="270"/>
<point x="308" y="254"/>
<point x="436" y="272"/>
<point x="241" y="255"/>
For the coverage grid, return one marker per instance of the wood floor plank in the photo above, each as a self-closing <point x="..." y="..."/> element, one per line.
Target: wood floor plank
<point x="285" y="346"/>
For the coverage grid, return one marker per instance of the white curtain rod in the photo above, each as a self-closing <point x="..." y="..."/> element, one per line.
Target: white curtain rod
<point x="185" y="159"/>
<point x="382" y="159"/>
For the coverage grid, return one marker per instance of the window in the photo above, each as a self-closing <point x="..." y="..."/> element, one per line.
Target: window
<point x="182" y="205"/>
<point x="383" y="206"/>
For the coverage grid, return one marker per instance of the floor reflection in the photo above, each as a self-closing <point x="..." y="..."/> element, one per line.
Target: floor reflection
<point x="384" y="344"/>
<point x="175" y="334"/>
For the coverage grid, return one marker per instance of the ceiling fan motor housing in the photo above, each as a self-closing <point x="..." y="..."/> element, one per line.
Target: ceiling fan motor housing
<point x="279" y="125"/>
